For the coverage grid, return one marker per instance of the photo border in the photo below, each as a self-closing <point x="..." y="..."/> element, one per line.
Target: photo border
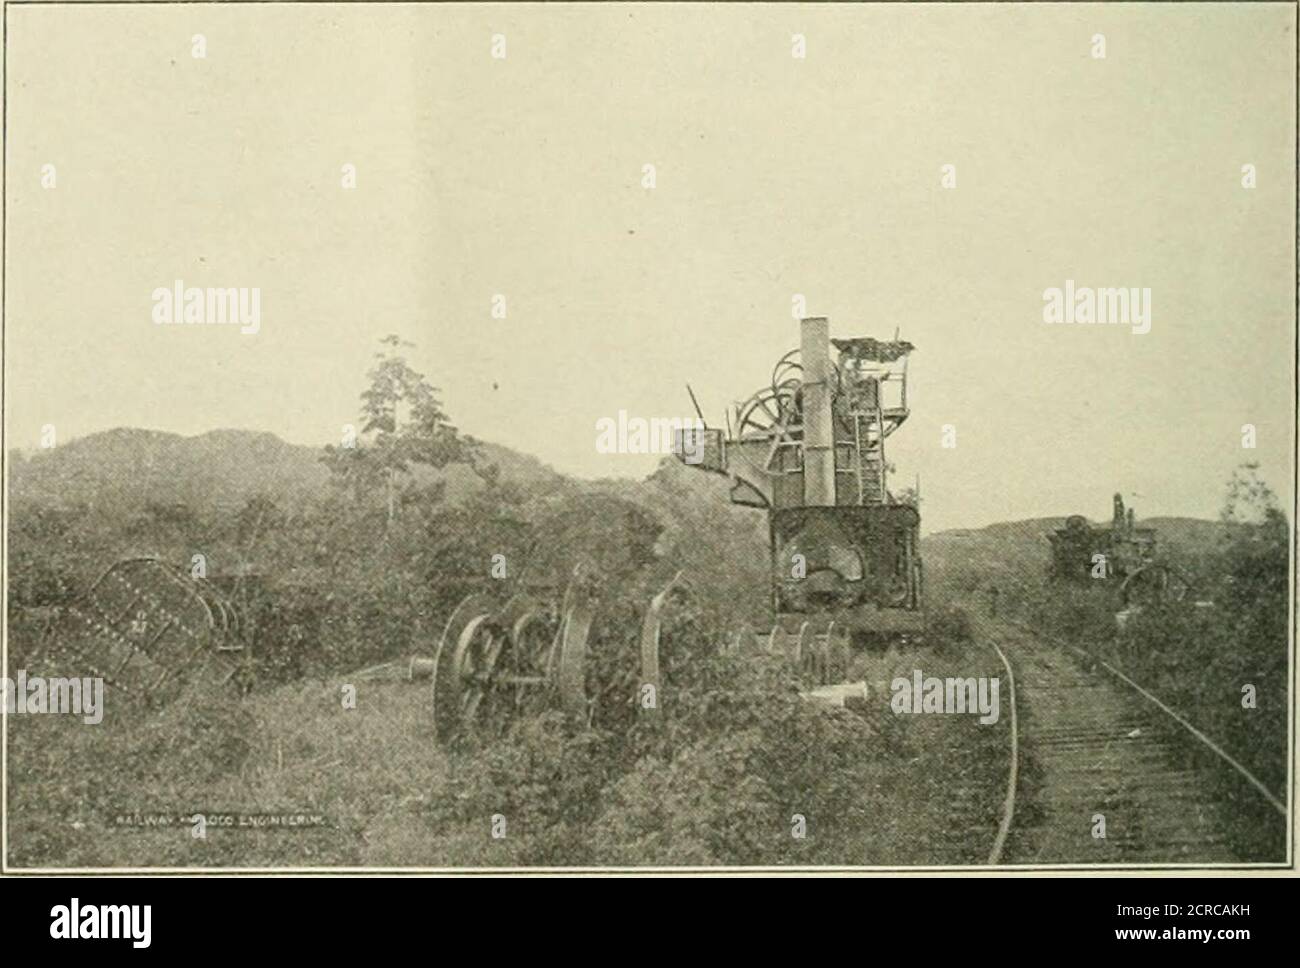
<point x="1272" y="868"/>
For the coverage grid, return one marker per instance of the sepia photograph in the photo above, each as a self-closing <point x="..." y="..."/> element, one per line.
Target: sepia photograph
<point x="643" y="438"/>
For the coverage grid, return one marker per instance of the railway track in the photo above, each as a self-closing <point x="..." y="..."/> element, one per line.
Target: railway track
<point x="1101" y="746"/>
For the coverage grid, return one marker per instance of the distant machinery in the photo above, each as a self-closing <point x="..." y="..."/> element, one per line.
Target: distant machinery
<point x="1121" y="551"/>
<point x="1125" y="547"/>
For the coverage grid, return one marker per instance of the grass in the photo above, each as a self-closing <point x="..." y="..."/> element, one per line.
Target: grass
<point x="874" y="789"/>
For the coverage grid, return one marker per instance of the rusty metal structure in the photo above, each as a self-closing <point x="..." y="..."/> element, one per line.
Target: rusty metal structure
<point x="149" y="630"/>
<point x="499" y="660"/>
<point x="810" y="449"/>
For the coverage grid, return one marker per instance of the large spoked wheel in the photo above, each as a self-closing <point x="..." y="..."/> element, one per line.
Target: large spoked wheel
<point x="511" y="671"/>
<point x="496" y="665"/>
<point x="768" y="412"/>
<point x="807" y="653"/>
<point x="787" y="369"/>
<point x="571" y="663"/>
<point x="452" y="675"/>
<point x="770" y="416"/>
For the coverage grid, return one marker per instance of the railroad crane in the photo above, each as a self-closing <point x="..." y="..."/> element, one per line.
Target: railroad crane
<point x="810" y="448"/>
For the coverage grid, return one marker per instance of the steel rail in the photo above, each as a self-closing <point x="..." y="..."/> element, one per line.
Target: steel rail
<point x="1013" y="773"/>
<point x="1214" y="747"/>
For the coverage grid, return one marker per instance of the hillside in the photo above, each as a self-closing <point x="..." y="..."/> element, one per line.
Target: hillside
<point x="218" y="470"/>
<point x="720" y="547"/>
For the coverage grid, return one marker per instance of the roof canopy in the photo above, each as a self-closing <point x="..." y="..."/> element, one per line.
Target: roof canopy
<point x="874" y="350"/>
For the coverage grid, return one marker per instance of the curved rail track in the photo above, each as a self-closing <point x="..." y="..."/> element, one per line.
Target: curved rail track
<point x="1013" y="771"/>
<point x="1105" y="747"/>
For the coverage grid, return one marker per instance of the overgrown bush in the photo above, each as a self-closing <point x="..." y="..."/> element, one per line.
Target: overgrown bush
<point x="948" y="629"/>
<point x="717" y="780"/>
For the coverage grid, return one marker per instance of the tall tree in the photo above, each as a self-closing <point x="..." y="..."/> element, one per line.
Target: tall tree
<point x="402" y="424"/>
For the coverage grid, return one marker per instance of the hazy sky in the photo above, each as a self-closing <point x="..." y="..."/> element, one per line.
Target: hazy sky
<point x="775" y="175"/>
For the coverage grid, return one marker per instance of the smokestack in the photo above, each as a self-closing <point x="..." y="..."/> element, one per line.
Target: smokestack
<point x="818" y="442"/>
